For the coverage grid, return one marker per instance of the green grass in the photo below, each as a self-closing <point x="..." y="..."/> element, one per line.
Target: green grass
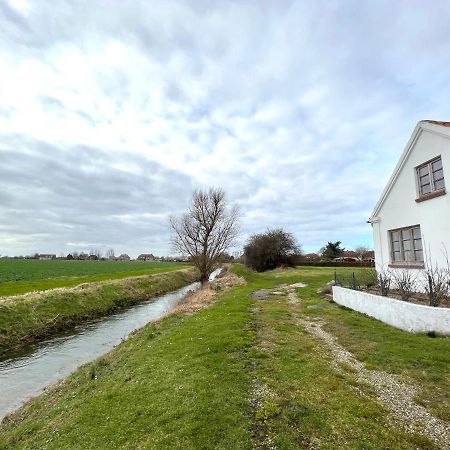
<point x="30" y="319"/>
<point x="18" y="276"/>
<point x="189" y="381"/>
<point x="180" y="383"/>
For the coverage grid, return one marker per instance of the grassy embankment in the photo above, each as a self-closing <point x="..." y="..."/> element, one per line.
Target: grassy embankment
<point x="18" y="276"/>
<point x="241" y="374"/>
<point x="29" y="318"/>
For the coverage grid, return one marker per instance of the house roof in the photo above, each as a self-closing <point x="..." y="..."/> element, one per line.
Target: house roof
<point x="437" y="122"/>
<point x="433" y="126"/>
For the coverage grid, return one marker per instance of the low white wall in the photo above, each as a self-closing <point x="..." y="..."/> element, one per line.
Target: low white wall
<point x="403" y="315"/>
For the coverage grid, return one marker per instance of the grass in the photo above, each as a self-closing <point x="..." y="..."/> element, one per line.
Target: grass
<point x="18" y="276"/>
<point x="180" y="383"/>
<point x="25" y="320"/>
<point x="241" y="374"/>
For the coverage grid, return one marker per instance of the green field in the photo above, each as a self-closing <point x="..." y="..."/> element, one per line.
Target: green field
<point x="36" y="317"/>
<point x="243" y="374"/>
<point x="18" y="276"/>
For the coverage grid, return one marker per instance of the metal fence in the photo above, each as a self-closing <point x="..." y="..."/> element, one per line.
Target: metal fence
<point x="365" y="279"/>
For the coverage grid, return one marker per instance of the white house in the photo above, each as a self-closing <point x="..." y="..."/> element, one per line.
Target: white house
<point x="411" y="221"/>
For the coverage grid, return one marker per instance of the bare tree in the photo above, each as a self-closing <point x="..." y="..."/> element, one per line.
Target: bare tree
<point x="362" y="252"/>
<point x="95" y="252"/>
<point x="207" y="230"/>
<point x="110" y="253"/>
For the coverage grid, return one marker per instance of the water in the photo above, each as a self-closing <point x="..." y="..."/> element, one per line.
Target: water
<point x="25" y="376"/>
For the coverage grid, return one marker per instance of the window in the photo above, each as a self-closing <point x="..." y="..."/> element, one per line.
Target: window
<point x="406" y="245"/>
<point x="430" y="177"/>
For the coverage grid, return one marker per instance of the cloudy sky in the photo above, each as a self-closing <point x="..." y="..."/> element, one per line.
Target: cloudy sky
<point x="113" y="112"/>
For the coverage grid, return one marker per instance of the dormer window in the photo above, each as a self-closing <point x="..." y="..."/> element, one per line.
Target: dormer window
<point x="430" y="177"/>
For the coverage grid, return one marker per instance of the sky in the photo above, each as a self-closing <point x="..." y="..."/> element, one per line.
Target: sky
<point x="113" y="112"/>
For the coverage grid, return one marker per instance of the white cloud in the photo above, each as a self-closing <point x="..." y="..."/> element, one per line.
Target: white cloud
<point x="111" y="113"/>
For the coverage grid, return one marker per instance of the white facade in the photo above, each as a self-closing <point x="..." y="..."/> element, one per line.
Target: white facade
<point x="402" y="206"/>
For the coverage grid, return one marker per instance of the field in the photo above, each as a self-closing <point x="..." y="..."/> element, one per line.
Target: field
<point x="18" y="276"/>
<point x="26" y="320"/>
<point x="245" y="373"/>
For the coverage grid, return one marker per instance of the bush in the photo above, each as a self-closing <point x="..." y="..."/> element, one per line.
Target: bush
<point x="384" y="279"/>
<point x="437" y="285"/>
<point x="272" y="249"/>
<point x="405" y="283"/>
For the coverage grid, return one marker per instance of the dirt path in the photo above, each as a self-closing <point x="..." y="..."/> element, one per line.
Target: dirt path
<point x="395" y="394"/>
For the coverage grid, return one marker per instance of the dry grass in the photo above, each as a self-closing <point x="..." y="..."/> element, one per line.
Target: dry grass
<point x="207" y="295"/>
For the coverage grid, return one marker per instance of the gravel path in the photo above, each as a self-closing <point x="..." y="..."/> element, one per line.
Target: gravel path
<point x="396" y="395"/>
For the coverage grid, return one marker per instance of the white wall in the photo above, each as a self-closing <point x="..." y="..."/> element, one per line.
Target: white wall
<point x="401" y="210"/>
<point x="403" y="315"/>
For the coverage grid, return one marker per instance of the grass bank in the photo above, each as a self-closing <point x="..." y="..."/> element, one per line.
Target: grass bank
<point x="240" y="374"/>
<point x="19" y="276"/>
<point x="34" y="316"/>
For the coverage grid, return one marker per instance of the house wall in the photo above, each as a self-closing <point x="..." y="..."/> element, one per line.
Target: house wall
<point x="403" y="315"/>
<point x="401" y="210"/>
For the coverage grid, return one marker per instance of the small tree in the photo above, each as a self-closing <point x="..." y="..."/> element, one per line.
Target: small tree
<point x="206" y="231"/>
<point x="271" y="249"/>
<point x="332" y="250"/>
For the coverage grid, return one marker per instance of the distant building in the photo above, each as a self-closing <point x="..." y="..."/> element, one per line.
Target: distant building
<point x="312" y="257"/>
<point x="92" y="257"/>
<point x="146" y="257"/>
<point x="123" y="257"/>
<point x="83" y="256"/>
<point x="46" y="256"/>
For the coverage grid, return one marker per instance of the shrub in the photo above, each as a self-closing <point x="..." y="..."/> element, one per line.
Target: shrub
<point x="437" y="285"/>
<point x="405" y="282"/>
<point x="384" y="279"/>
<point x="272" y="249"/>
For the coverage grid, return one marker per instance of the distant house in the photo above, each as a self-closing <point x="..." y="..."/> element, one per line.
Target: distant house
<point x="83" y="256"/>
<point x="123" y="257"/>
<point x="411" y="220"/>
<point x="46" y="256"/>
<point x="346" y="259"/>
<point x="146" y="257"/>
<point x="369" y="256"/>
<point x="92" y="258"/>
<point x="311" y="257"/>
<point x="347" y="256"/>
